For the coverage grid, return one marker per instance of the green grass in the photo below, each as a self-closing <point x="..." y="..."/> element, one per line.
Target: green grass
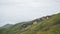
<point x="48" y="26"/>
<point x="45" y="26"/>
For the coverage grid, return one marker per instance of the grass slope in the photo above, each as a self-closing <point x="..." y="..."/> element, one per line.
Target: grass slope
<point x="48" y="26"/>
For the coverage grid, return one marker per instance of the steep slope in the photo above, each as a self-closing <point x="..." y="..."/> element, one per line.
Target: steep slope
<point x="49" y="26"/>
<point x="43" y="26"/>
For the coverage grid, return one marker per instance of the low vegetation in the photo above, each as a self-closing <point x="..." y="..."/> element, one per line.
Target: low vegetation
<point x="42" y="26"/>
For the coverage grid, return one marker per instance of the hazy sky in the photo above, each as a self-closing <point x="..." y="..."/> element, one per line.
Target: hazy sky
<point x="14" y="11"/>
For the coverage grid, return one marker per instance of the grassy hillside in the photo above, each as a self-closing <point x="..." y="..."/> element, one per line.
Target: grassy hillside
<point x="47" y="26"/>
<point x="7" y="26"/>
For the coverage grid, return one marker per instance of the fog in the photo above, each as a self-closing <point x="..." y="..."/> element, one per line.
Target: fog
<point x="15" y="11"/>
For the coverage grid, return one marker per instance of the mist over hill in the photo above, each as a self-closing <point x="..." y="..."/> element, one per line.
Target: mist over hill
<point x="44" y="25"/>
<point x="15" y="11"/>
